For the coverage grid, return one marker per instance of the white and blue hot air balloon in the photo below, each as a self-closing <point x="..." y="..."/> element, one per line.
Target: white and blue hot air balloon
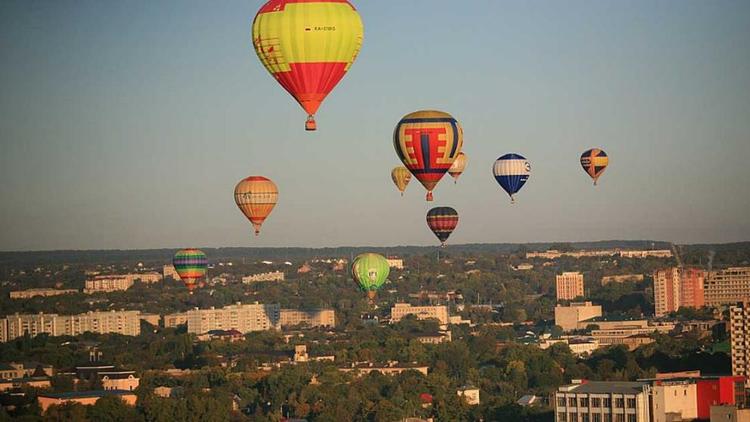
<point x="511" y="172"/>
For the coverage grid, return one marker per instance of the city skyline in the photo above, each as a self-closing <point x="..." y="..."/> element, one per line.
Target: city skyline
<point x="127" y="126"/>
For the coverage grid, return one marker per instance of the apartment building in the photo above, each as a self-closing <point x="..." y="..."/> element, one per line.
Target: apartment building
<point x="396" y="263"/>
<point x="400" y="310"/>
<point x="313" y="318"/>
<point x="174" y="320"/>
<point x="241" y="317"/>
<point x="569" y="285"/>
<point x="120" y="322"/>
<point x="118" y="282"/>
<point x="268" y="276"/>
<point x="598" y="401"/>
<point x="676" y="288"/>
<point x="727" y="286"/>
<point x="29" y="293"/>
<point x="621" y="278"/>
<point x="739" y="329"/>
<point x="168" y="271"/>
<point x="570" y="317"/>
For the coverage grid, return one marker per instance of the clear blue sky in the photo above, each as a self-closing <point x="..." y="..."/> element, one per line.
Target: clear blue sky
<point x="127" y="124"/>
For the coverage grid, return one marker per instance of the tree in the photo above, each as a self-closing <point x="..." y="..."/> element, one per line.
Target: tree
<point x="112" y="409"/>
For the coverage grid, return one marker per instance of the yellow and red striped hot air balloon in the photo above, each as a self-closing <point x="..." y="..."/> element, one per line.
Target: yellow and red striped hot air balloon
<point x="256" y="196"/>
<point x="401" y="178"/>
<point x="458" y="166"/>
<point x="308" y="46"/>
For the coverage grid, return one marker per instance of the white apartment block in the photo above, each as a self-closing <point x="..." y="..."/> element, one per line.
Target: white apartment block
<point x="739" y="329"/>
<point x="243" y="318"/>
<point x="727" y="286"/>
<point x="175" y="320"/>
<point x="597" y="401"/>
<point x="569" y="285"/>
<point x="570" y="317"/>
<point x="269" y="276"/>
<point x="396" y="263"/>
<point x="118" y="282"/>
<point x="315" y="318"/>
<point x="119" y="322"/>
<point x="400" y="310"/>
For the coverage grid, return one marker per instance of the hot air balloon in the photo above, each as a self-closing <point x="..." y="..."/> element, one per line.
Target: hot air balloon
<point x="401" y="177"/>
<point x="428" y="142"/>
<point x="190" y="265"/>
<point x="458" y="166"/>
<point x="511" y="172"/>
<point x="594" y="162"/>
<point x="370" y="271"/>
<point x="308" y="46"/>
<point x="256" y="196"/>
<point x="442" y="221"/>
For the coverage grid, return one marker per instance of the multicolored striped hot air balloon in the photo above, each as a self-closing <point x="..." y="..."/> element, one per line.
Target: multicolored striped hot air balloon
<point x="370" y="271"/>
<point x="511" y="171"/>
<point x="190" y="265"/>
<point x="308" y="46"/>
<point x="442" y="221"/>
<point x="256" y="196"/>
<point x="428" y="142"/>
<point x="401" y="178"/>
<point x="458" y="166"/>
<point x="594" y="162"/>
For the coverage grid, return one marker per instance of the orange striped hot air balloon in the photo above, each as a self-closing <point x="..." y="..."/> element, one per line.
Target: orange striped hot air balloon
<point x="256" y="196"/>
<point x="401" y="178"/>
<point x="458" y="166"/>
<point x="308" y="46"/>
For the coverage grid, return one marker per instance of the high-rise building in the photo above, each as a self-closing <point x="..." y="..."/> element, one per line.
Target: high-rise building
<point x="739" y="329"/>
<point x="120" y="322"/>
<point x="400" y="310"/>
<point x="569" y="285"/>
<point x="676" y="288"/>
<point x="727" y="286"/>
<point x="570" y="317"/>
<point x="243" y="318"/>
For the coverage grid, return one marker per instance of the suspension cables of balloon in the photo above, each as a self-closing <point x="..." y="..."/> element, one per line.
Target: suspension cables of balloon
<point x="308" y="46"/>
<point x="594" y="162"/>
<point x="256" y="196"/>
<point x="427" y="142"/>
<point x="511" y="172"/>
<point x="190" y="264"/>
<point x="370" y="270"/>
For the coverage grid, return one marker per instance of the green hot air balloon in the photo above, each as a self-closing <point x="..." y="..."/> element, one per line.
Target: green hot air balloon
<point x="370" y="271"/>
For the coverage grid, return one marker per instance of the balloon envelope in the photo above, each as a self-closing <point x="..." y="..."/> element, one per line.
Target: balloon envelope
<point x="594" y="162"/>
<point x="442" y="221"/>
<point x="458" y="166"/>
<point x="511" y="171"/>
<point x="401" y="178"/>
<point x="190" y="264"/>
<point x="256" y="196"/>
<point x="307" y="46"/>
<point x="428" y="142"/>
<point x="370" y="271"/>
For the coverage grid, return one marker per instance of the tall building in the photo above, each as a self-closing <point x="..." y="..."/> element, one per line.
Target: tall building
<point x="570" y="317"/>
<point x="739" y="329"/>
<point x="120" y="322"/>
<point x="569" y="285"/>
<point x="676" y="288"/>
<point x="599" y="401"/>
<point x="727" y="286"/>
<point x="400" y="310"/>
<point x="316" y="318"/>
<point x="243" y="318"/>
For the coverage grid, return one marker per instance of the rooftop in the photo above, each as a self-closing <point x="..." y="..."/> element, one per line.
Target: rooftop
<point x="604" y="387"/>
<point x="84" y="394"/>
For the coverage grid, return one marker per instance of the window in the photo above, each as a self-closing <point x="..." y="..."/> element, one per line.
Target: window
<point x="620" y="418"/>
<point x="584" y="417"/>
<point x="607" y="417"/>
<point x="562" y="417"/>
<point x="572" y="402"/>
<point x="619" y="402"/>
<point x="631" y="403"/>
<point x="573" y="417"/>
<point x="631" y="418"/>
<point x="561" y="401"/>
<point x="596" y="417"/>
<point x="607" y="402"/>
<point x="596" y="402"/>
<point x="584" y="402"/>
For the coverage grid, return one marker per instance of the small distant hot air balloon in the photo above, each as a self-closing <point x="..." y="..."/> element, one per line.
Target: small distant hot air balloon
<point x="594" y="162"/>
<point x="511" y="172"/>
<point x="256" y="196"/>
<point x="370" y="271"/>
<point x="190" y="264"/>
<point x="401" y="178"/>
<point x="308" y="46"/>
<point x="458" y="166"/>
<point x="428" y="142"/>
<point x="442" y="221"/>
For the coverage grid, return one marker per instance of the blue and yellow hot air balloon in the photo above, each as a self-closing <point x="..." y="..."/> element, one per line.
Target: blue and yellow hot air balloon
<point x="594" y="162"/>
<point x="511" y="171"/>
